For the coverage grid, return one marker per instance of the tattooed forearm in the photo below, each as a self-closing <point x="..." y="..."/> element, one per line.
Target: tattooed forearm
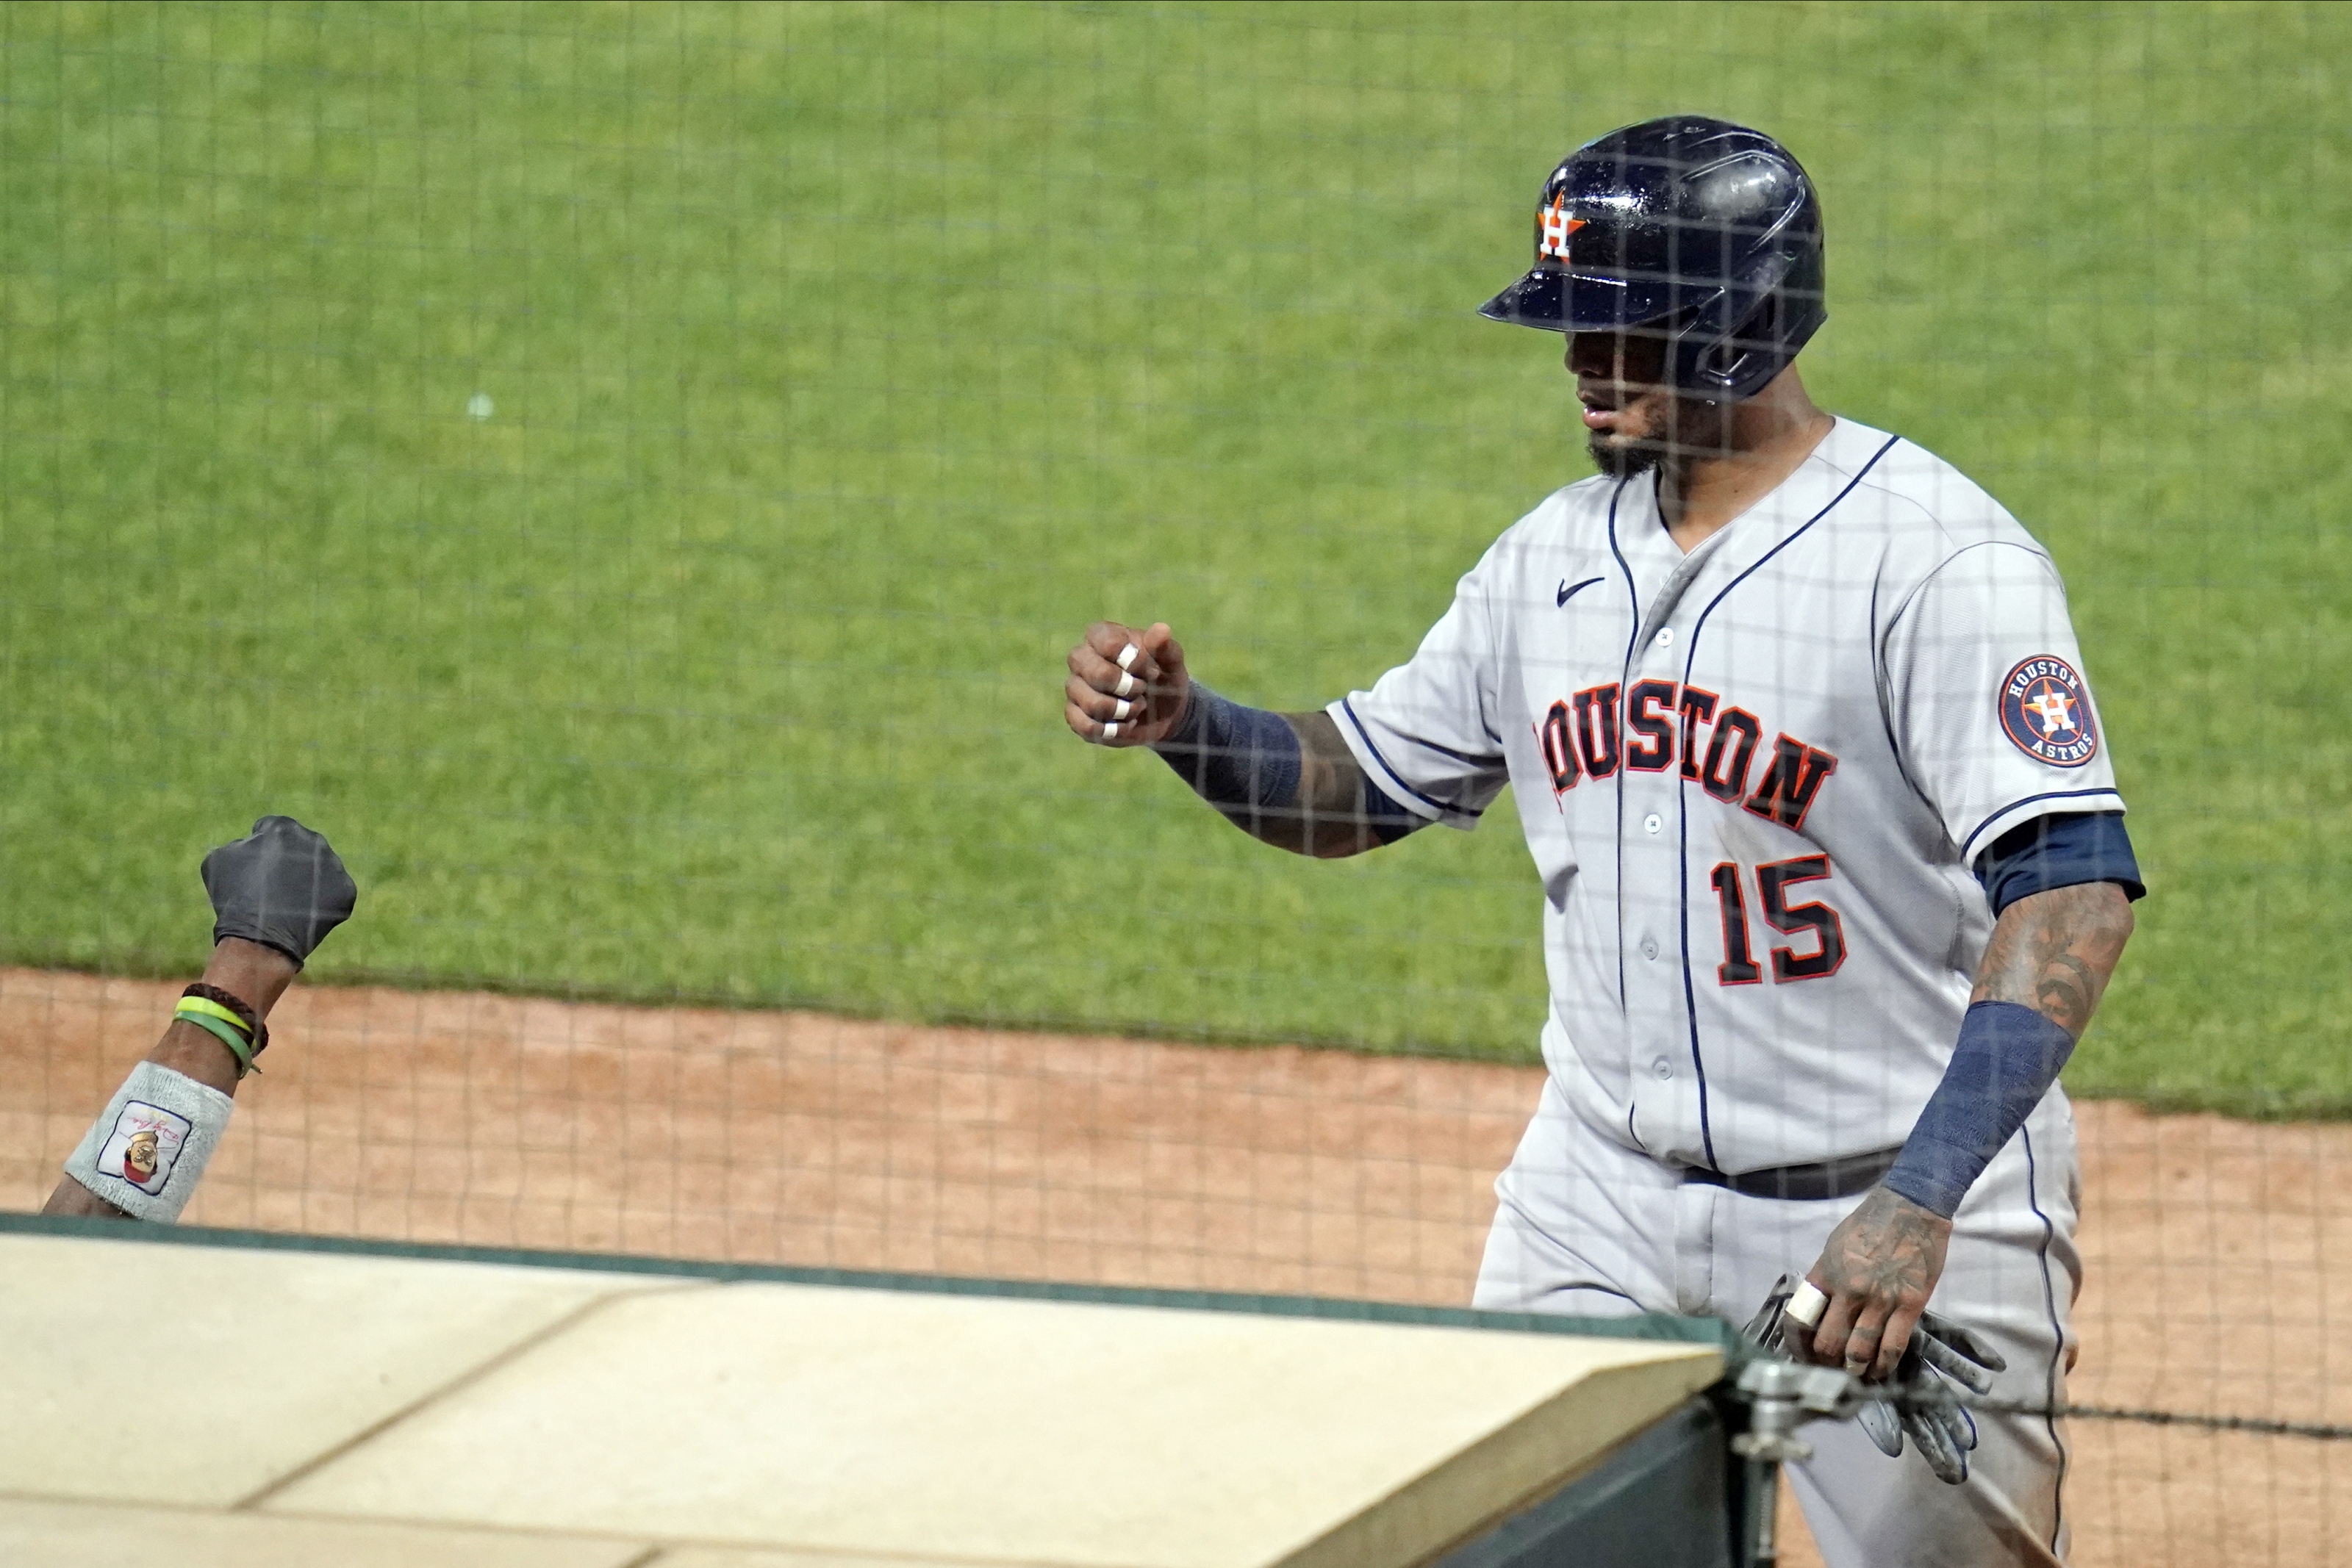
<point x="2055" y="952"/>
<point x="2067" y="991"/>
<point x="1328" y="820"/>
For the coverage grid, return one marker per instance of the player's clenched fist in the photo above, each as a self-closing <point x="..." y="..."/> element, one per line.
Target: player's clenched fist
<point x="1127" y="687"/>
<point x="281" y="885"/>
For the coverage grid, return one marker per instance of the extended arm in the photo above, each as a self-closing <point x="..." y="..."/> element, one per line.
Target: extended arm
<point x="259" y="974"/>
<point x="2052" y="952"/>
<point x="1287" y="779"/>
<point x="275" y="894"/>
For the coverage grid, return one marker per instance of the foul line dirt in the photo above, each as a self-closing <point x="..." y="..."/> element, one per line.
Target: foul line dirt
<point x="2216" y="1251"/>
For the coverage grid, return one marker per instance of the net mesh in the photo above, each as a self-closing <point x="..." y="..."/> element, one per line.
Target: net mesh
<point x="628" y="475"/>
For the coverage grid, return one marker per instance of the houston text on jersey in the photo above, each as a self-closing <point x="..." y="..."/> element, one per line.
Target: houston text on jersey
<point x="1645" y="727"/>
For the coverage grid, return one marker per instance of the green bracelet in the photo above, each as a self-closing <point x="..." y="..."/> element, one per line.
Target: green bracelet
<point x="211" y="1008"/>
<point x="226" y="1033"/>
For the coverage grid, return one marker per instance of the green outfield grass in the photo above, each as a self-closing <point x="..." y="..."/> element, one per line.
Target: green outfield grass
<point x="844" y="362"/>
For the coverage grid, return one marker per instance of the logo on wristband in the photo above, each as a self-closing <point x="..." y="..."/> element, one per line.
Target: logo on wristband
<point x="144" y="1146"/>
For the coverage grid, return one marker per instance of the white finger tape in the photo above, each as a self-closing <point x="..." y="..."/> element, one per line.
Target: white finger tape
<point x="1807" y="1304"/>
<point x="148" y="1149"/>
<point x="1127" y="685"/>
<point x="1125" y="708"/>
<point x="1110" y="732"/>
<point x="1128" y="655"/>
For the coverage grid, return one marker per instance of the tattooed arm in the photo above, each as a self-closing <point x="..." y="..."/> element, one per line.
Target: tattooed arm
<point x="2056" y="951"/>
<point x="2051" y="957"/>
<point x="1337" y="812"/>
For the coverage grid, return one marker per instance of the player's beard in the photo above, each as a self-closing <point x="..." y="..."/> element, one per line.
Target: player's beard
<point x="1688" y="428"/>
<point x="1620" y="458"/>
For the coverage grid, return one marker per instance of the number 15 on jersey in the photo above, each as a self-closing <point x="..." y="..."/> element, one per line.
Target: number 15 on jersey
<point x="1816" y="923"/>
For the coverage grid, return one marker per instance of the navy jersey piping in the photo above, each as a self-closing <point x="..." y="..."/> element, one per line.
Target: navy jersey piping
<point x="1978" y="831"/>
<point x="1349" y="708"/>
<point x="1444" y="751"/>
<point x="1634" y="606"/>
<point x="1682" y="795"/>
<point x="1632" y="591"/>
<point x="2057" y="1341"/>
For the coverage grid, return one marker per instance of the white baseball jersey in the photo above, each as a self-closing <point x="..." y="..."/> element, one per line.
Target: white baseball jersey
<point x="1754" y="778"/>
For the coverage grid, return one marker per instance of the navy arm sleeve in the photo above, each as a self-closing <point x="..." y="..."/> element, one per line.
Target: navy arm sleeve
<point x="1245" y="762"/>
<point x="2008" y="1054"/>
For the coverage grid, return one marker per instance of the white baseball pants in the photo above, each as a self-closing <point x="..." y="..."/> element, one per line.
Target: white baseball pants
<point x="1589" y="1228"/>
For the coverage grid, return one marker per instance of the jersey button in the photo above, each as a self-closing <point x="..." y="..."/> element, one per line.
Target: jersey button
<point x="1649" y="947"/>
<point x="1666" y="638"/>
<point x="1662" y="1069"/>
<point x="1653" y="822"/>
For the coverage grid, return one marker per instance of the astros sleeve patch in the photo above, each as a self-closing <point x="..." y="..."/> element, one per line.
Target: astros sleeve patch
<point x="2045" y="713"/>
<point x="1991" y="710"/>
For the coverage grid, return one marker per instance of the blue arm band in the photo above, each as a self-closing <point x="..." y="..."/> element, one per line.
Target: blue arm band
<point x="2008" y="1057"/>
<point x="2062" y="851"/>
<point x="2008" y="1054"/>
<point x="1245" y="761"/>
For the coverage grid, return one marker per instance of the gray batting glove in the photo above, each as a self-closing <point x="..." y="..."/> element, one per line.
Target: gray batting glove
<point x="1940" y="1350"/>
<point x="282" y="886"/>
<point x="1763" y="1330"/>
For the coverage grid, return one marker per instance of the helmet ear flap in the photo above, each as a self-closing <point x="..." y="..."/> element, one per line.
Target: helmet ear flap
<point x="1734" y="365"/>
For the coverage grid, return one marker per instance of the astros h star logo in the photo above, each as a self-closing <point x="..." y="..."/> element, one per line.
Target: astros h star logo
<point x="2046" y="713"/>
<point x="2050" y="709"/>
<point x="1555" y="226"/>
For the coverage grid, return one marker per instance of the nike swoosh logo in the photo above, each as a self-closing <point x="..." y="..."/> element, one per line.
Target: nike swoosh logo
<point x="1567" y="593"/>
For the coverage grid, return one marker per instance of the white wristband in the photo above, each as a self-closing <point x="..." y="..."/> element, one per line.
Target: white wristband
<point x="146" y="1153"/>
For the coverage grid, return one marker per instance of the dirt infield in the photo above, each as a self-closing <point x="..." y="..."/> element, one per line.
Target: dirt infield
<point x="2216" y="1256"/>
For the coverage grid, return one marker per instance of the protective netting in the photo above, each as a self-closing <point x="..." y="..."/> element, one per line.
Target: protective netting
<point x="629" y="474"/>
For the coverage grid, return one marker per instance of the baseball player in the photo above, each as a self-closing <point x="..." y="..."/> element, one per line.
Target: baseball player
<point x="1832" y="860"/>
<point x="275" y="894"/>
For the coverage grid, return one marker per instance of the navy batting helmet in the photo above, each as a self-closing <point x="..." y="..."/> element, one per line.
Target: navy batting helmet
<point x="1697" y="231"/>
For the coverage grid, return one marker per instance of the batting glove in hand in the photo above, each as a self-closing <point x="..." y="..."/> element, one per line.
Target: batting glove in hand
<point x="282" y="886"/>
<point x="1763" y="1330"/>
<point x="1938" y="1422"/>
<point x="1928" y="1411"/>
